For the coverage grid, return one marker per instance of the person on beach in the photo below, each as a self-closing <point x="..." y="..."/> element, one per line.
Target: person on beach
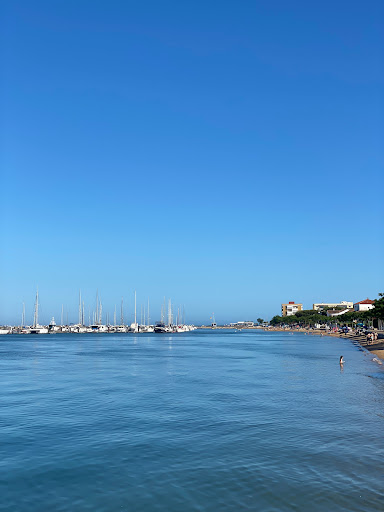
<point x="341" y="360"/>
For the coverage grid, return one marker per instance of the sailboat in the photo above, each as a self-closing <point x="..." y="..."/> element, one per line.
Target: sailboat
<point x="36" y="328"/>
<point x="135" y="326"/>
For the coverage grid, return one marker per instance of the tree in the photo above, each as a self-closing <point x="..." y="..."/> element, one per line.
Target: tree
<point x="276" y="320"/>
<point x="260" y="321"/>
<point x="306" y="313"/>
<point x="378" y="310"/>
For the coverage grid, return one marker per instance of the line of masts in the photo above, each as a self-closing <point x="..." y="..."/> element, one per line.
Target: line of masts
<point x="97" y="314"/>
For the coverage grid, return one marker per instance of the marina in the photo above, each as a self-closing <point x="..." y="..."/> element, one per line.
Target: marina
<point x="168" y="323"/>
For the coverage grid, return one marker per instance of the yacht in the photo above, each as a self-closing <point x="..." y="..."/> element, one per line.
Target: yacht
<point x="39" y="329"/>
<point x="52" y="327"/>
<point x="98" y="328"/>
<point x="160" y="327"/>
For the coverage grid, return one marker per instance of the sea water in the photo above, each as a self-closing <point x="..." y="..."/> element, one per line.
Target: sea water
<point x="201" y="421"/>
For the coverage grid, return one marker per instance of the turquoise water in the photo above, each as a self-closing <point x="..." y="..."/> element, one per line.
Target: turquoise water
<point x="202" y="421"/>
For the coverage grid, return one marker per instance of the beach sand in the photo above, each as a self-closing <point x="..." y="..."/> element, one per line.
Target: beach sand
<point x="378" y="353"/>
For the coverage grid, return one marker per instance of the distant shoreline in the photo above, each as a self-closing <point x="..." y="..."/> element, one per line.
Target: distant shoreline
<point x="259" y="328"/>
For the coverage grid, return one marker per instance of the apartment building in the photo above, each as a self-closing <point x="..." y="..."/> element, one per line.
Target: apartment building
<point x="290" y="309"/>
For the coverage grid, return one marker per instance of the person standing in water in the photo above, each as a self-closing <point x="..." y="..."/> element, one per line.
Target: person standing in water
<point x="341" y="360"/>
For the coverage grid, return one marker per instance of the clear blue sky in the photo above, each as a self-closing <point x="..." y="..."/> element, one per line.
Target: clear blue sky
<point x="226" y="154"/>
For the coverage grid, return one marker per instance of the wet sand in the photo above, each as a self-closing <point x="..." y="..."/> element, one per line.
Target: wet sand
<point x="378" y="353"/>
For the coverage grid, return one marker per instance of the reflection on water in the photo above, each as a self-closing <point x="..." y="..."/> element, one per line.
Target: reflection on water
<point x="209" y="421"/>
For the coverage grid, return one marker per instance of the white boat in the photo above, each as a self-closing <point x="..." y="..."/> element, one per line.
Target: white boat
<point x="160" y="327"/>
<point x="37" y="328"/>
<point x="52" y="327"/>
<point x="146" y="328"/>
<point x="99" y="328"/>
<point x="5" y="331"/>
<point x="134" y="327"/>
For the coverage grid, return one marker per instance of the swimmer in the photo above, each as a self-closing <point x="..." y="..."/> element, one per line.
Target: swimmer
<point x="341" y="360"/>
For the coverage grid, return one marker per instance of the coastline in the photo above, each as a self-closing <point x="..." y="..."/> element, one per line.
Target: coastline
<point x="377" y="347"/>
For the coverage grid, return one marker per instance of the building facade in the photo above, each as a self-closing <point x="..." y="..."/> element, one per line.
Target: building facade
<point x="364" y="305"/>
<point x="290" y="309"/>
<point x="321" y="306"/>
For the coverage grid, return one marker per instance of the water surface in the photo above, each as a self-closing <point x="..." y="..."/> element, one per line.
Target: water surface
<point x="202" y="421"/>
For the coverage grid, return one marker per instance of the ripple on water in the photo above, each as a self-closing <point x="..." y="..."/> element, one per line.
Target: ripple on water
<point x="207" y="421"/>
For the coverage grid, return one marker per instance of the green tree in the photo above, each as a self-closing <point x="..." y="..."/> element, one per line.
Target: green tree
<point x="260" y="321"/>
<point x="276" y="320"/>
<point x="378" y="310"/>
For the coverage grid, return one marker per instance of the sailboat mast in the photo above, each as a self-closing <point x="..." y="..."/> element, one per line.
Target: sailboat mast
<point x="169" y="312"/>
<point x="135" y="307"/>
<point x="163" y="312"/>
<point x="36" y="315"/>
<point x="148" y="312"/>
<point x="80" y="310"/>
<point x="121" y="313"/>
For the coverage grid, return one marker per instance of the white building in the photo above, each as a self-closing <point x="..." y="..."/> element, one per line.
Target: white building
<point x="320" y="306"/>
<point x="364" y="305"/>
<point x="242" y="324"/>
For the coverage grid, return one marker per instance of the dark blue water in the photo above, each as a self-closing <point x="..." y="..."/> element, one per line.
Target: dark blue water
<point x="204" y="421"/>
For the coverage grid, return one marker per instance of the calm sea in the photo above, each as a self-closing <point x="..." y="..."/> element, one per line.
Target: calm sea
<point x="205" y="421"/>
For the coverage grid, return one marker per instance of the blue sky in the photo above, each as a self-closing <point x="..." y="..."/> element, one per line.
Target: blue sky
<point x="226" y="154"/>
